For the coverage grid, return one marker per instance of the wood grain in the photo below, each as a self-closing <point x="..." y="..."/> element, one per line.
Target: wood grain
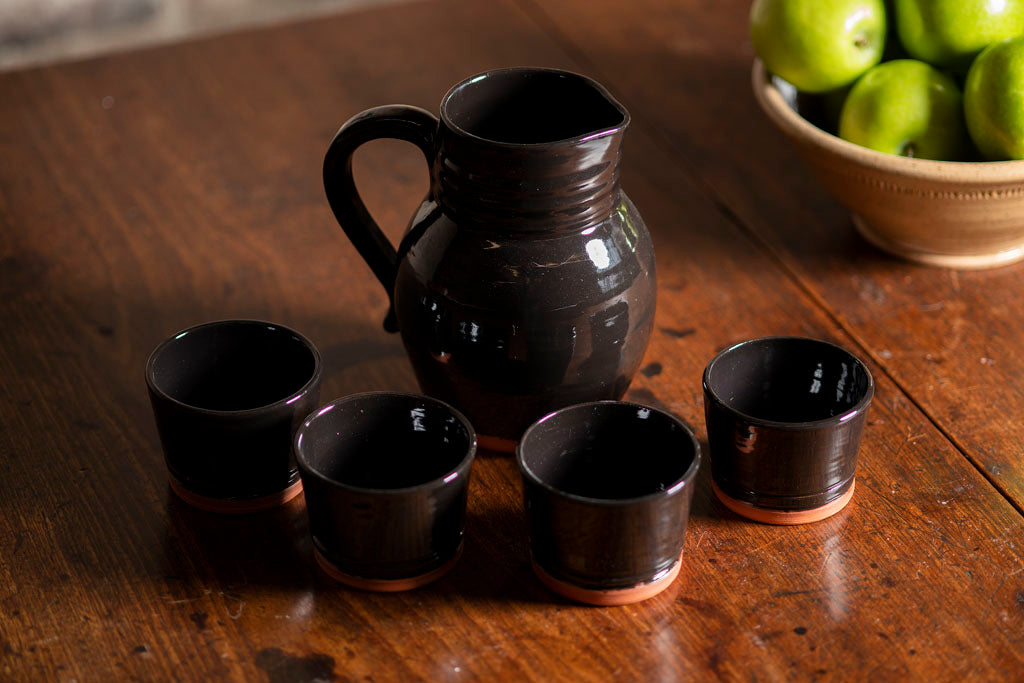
<point x="947" y="338"/>
<point x="197" y="196"/>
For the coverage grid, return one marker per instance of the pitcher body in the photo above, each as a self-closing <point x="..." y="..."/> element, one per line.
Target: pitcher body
<point x="526" y="279"/>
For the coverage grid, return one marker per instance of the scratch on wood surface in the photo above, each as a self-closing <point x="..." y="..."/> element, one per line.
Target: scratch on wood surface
<point x="852" y="584"/>
<point x="233" y="602"/>
<point x="992" y="597"/>
<point x="769" y="542"/>
<point x="909" y="439"/>
<point x="909" y="523"/>
<point x="869" y="291"/>
<point x="954" y="337"/>
<point x="700" y="539"/>
<point x="825" y="563"/>
<point x="182" y="601"/>
<point x="237" y="613"/>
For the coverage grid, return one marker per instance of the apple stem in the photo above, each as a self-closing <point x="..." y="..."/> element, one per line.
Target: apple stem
<point x="909" y="150"/>
<point x="861" y="41"/>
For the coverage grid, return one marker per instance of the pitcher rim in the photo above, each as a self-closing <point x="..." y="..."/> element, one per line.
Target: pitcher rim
<point x="583" y="137"/>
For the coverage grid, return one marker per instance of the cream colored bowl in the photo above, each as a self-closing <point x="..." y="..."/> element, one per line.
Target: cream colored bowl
<point x="941" y="213"/>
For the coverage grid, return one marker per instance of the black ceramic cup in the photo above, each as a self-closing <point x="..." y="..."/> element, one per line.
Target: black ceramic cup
<point x="784" y="418"/>
<point x="386" y="476"/>
<point x="607" y="488"/>
<point x="227" y="397"/>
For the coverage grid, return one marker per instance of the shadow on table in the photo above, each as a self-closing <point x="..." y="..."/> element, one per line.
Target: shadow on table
<point x="270" y="548"/>
<point x="495" y="566"/>
<point x="274" y="549"/>
<point x="705" y="505"/>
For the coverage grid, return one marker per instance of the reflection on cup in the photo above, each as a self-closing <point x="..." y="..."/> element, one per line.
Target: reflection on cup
<point x="386" y="477"/>
<point x="784" y="418"/>
<point x="227" y="397"/>
<point x="607" y="488"/>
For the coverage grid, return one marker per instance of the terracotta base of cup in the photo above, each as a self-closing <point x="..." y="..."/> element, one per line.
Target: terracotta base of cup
<point x="959" y="261"/>
<point x="610" y="597"/>
<point x="234" y="507"/>
<point x="768" y="516"/>
<point x="385" y="585"/>
<point x="496" y="443"/>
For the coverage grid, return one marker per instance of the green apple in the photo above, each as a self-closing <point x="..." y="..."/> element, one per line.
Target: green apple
<point x="909" y="108"/>
<point x="950" y="33"/>
<point x="818" y="45"/>
<point x="994" y="100"/>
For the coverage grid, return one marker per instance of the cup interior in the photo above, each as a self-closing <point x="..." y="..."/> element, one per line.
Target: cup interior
<point x="609" y="451"/>
<point x="233" y="365"/>
<point x="788" y="380"/>
<point x="529" y="106"/>
<point x="385" y="441"/>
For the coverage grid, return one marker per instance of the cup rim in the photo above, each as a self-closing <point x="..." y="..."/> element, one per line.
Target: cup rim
<point x="677" y="486"/>
<point x="461" y="469"/>
<point x="290" y="398"/>
<point x="860" y="407"/>
<point x="592" y="135"/>
<point x="795" y="125"/>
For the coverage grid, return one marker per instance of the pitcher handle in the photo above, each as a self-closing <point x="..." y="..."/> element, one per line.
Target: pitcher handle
<point x="398" y="121"/>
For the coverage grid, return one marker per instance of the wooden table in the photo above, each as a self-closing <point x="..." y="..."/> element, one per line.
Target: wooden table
<point x="144" y="192"/>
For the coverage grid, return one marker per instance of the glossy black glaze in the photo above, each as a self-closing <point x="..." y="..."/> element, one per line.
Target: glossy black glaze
<point x="784" y="418"/>
<point x="607" y="488"/>
<point x="385" y="477"/>
<point x="526" y="280"/>
<point x="227" y="397"/>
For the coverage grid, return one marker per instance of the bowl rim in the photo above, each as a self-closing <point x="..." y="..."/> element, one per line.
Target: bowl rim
<point x="313" y="382"/>
<point x="459" y="472"/>
<point x="679" y="486"/>
<point x="796" y="126"/>
<point x="713" y="396"/>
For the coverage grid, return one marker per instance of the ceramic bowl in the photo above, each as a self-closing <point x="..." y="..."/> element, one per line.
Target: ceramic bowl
<point x="386" y="478"/>
<point x="607" y="488"/>
<point x="942" y="213"/>
<point x="785" y="417"/>
<point x="228" y="397"/>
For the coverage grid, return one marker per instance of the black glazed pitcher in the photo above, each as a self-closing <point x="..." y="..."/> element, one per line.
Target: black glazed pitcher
<point x="525" y="281"/>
